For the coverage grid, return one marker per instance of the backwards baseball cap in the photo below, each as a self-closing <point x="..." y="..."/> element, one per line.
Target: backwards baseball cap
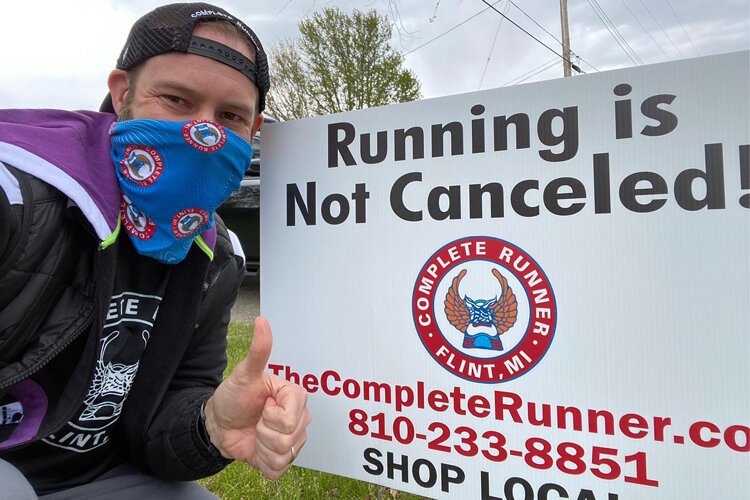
<point x="170" y="29"/>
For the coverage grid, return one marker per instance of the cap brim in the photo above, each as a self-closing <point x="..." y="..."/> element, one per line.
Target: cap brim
<point x="106" y="106"/>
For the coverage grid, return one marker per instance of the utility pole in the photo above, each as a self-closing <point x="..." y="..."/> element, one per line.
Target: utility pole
<point x="565" y="37"/>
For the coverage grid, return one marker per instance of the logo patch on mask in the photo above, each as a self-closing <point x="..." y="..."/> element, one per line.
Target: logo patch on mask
<point x="484" y="309"/>
<point x="141" y="164"/>
<point x="188" y="221"/>
<point x="135" y="221"/>
<point x="204" y="135"/>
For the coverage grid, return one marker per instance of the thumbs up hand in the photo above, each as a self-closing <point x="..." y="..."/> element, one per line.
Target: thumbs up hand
<point x="257" y="417"/>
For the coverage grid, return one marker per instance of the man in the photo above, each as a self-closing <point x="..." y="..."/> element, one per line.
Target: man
<point x="116" y="281"/>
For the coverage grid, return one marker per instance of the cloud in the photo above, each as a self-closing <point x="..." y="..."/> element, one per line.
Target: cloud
<point x="71" y="46"/>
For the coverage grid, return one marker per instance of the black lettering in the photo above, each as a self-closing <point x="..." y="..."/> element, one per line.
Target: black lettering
<point x="397" y="197"/>
<point x="547" y="487"/>
<point x="518" y="198"/>
<point x="568" y="137"/>
<point x="371" y="456"/>
<point x="453" y="194"/>
<point x="431" y="471"/>
<point x="416" y="134"/>
<point x="360" y="195"/>
<point x="713" y="178"/>
<point x="629" y="192"/>
<point x="510" y="487"/>
<point x="402" y="466"/>
<point x="586" y="495"/>
<point x="477" y="130"/>
<point x="745" y="175"/>
<point x="456" y="131"/>
<point x="521" y="130"/>
<point x="623" y="113"/>
<point x="485" y="482"/>
<point x="602" y="196"/>
<point x="338" y="146"/>
<point x="447" y="479"/>
<point x="667" y="120"/>
<point x="307" y="210"/>
<point x="327" y="211"/>
<point x="476" y="197"/>
<point x="553" y="193"/>
<point x="381" y="148"/>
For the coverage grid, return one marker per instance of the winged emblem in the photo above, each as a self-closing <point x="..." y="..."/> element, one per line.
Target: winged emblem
<point x="498" y="312"/>
<point x="138" y="164"/>
<point x="207" y="135"/>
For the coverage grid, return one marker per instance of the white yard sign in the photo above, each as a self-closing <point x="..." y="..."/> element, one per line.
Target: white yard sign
<point x="540" y="291"/>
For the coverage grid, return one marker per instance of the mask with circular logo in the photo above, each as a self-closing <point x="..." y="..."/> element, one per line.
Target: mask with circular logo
<point x="173" y="176"/>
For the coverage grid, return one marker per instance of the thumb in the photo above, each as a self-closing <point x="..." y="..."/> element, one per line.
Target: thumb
<point x="260" y="348"/>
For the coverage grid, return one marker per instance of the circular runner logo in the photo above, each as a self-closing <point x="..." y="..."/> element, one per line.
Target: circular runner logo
<point x="204" y="135"/>
<point x="484" y="309"/>
<point x="188" y="221"/>
<point x="135" y="221"/>
<point x="141" y="164"/>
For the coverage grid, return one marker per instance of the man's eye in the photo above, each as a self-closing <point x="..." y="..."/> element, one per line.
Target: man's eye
<point x="175" y="99"/>
<point x="232" y="117"/>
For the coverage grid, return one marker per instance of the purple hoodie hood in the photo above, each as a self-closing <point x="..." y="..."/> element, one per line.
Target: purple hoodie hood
<point x="71" y="151"/>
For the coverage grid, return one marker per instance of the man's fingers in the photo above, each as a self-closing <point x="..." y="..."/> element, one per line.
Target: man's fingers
<point x="281" y="442"/>
<point x="260" y="349"/>
<point x="285" y="410"/>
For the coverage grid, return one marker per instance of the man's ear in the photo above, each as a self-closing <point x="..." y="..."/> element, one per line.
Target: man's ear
<point x="256" y="125"/>
<point x="119" y="84"/>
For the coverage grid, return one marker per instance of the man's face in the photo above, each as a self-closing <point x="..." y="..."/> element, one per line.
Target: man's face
<point x="179" y="87"/>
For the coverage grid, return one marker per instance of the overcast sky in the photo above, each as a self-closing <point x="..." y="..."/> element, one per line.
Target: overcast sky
<point x="58" y="54"/>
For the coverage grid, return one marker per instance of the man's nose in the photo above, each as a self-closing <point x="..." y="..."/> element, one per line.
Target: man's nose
<point x="207" y="113"/>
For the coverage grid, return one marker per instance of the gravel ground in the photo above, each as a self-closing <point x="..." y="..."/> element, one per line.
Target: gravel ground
<point x="247" y="306"/>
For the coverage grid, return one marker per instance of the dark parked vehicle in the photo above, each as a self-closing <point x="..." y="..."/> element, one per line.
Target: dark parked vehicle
<point x="241" y="212"/>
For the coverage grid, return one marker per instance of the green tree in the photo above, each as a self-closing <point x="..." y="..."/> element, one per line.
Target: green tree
<point x="340" y="62"/>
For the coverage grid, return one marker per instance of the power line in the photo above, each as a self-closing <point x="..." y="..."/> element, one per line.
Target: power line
<point x="489" y="56"/>
<point x="550" y="34"/>
<point x="532" y="72"/>
<point x="532" y="36"/>
<point x="683" y="27"/>
<point x="584" y="60"/>
<point x="537" y="73"/>
<point x="660" y="27"/>
<point x="534" y="21"/>
<point x="449" y="30"/>
<point x="607" y="22"/>
<point x="645" y="30"/>
<point x="619" y="38"/>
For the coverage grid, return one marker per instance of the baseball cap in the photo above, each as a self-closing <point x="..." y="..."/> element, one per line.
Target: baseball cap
<point x="169" y="28"/>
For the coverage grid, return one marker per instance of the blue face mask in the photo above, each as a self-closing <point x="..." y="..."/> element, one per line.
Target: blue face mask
<point x="173" y="176"/>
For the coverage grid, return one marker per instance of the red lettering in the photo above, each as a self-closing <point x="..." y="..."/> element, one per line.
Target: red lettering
<point x="697" y="437"/>
<point x="290" y="375"/>
<point x="458" y="398"/>
<point x="634" y="426"/>
<point x="310" y="383"/>
<point x="330" y="374"/>
<point x="574" y="412"/>
<point x="730" y="437"/>
<point x="404" y="397"/>
<point x="609" y="422"/>
<point x="512" y="407"/>
<point x="276" y="369"/>
<point x="479" y="406"/>
<point x="438" y="400"/>
<point x="661" y="423"/>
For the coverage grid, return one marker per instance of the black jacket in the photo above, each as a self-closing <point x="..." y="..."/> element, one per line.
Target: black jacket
<point x="56" y="279"/>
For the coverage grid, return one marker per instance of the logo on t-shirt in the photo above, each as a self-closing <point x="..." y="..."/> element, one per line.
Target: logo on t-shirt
<point x="124" y="337"/>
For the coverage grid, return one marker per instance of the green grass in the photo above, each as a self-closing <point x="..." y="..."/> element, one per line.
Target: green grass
<point x="239" y="482"/>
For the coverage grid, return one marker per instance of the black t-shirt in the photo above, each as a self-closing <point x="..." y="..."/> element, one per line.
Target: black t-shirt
<point x="88" y="444"/>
